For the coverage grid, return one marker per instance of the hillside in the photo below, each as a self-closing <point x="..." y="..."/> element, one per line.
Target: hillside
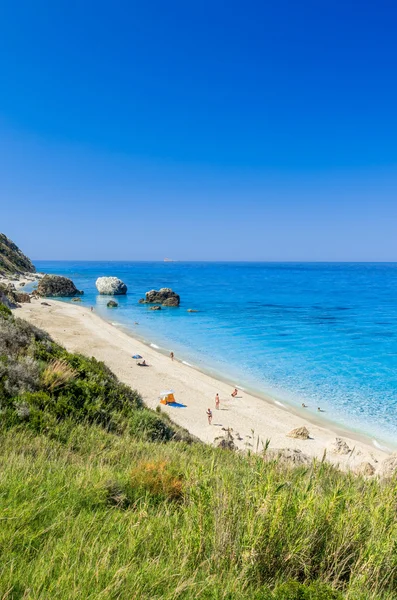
<point x="101" y="497"/>
<point x="12" y="259"/>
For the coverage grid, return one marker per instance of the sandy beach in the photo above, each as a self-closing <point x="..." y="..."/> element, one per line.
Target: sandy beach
<point x="253" y="420"/>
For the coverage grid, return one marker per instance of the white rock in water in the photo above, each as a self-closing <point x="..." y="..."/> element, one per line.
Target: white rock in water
<point x="110" y="286"/>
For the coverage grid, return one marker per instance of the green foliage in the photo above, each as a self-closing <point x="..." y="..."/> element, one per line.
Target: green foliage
<point x="149" y="426"/>
<point x="33" y="367"/>
<point x="177" y="521"/>
<point x="293" y="590"/>
<point x="4" y="311"/>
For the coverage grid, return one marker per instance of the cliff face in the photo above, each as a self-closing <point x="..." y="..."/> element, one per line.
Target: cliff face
<point x="12" y="260"/>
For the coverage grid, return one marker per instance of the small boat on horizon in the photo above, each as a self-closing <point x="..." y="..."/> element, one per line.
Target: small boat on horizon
<point x="168" y="260"/>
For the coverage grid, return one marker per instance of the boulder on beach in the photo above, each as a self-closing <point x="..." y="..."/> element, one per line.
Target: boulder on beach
<point x="57" y="286"/>
<point x="226" y="441"/>
<point x="164" y="296"/>
<point x="300" y="433"/>
<point x="388" y="467"/>
<point x="11" y="297"/>
<point x="5" y="298"/>
<point x="339" y="446"/>
<point x="22" y="297"/>
<point x="112" y="304"/>
<point x="291" y="456"/>
<point x="365" y="468"/>
<point x="110" y="286"/>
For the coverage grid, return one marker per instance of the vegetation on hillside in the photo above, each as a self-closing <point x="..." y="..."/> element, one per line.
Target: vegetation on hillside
<point x="12" y="259"/>
<point x="99" y="500"/>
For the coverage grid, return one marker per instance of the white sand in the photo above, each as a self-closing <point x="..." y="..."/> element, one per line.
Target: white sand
<point x="80" y="330"/>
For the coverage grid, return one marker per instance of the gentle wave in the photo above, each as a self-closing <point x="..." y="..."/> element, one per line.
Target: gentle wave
<point x="279" y="403"/>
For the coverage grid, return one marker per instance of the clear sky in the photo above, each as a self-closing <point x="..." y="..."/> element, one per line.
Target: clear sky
<point x="210" y="130"/>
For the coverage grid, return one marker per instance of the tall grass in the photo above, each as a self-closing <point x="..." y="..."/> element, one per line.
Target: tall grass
<point x="107" y="516"/>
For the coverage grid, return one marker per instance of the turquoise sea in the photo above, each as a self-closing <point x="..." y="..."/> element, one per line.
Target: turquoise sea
<point x="323" y="334"/>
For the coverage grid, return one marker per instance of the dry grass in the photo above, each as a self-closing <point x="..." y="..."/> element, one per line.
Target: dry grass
<point x="57" y="374"/>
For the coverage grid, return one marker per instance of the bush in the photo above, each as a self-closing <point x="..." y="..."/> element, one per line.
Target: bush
<point x="4" y="310"/>
<point x="158" y="479"/>
<point x="147" y="425"/>
<point x="293" y="590"/>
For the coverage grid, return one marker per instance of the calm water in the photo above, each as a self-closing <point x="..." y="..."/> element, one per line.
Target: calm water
<point x="325" y="334"/>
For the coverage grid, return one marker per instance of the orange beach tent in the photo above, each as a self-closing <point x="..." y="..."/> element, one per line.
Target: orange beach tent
<point x="167" y="397"/>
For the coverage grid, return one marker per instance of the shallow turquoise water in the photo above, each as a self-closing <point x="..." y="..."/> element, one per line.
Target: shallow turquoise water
<point x="325" y="334"/>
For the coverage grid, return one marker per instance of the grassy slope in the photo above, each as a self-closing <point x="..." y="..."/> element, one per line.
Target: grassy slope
<point x="92" y="511"/>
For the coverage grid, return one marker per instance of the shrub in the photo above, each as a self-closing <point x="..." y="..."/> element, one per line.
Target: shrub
<point x="21" y="375"/>
<point x="293" y="590"/>
<point x="150" y="426"/>
<point x="158" y="479"/>
<point x="4" y="310"/>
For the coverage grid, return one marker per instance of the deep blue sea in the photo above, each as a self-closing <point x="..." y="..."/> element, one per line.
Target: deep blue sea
<point x="323" y="334"/>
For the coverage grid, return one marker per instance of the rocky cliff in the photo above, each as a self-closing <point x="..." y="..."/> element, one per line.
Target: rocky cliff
<point x="12" y="260"/>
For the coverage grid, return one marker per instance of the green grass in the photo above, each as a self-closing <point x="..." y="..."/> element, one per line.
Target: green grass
<point x="99" y="500"/>
<point x="95" y="517"/>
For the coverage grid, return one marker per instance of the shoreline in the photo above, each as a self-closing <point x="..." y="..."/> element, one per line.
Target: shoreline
<point x="254" y="419"/>
<point x="310" y="417"/>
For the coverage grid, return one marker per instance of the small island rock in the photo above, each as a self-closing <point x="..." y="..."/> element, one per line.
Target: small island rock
<point x="155" y="308"/>
<point x="112" y="304"/>
<point x="110" y="286"/>
<point x="164" y="296"/>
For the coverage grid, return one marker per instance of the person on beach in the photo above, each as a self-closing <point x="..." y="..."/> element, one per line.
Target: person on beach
<point x="171" y="355"/>
<point x="92" y="308"/>
<point x="304" y="405"/>
<point x="209" y="415"/>
<point x="217" y="402"/>
<point x="234" y="394"/>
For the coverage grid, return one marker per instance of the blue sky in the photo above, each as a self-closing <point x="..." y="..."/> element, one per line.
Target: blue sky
<point x="200" y="131"/>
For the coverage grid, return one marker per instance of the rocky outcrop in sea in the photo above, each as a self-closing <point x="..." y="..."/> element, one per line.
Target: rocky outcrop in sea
<point x="57" y="286"/>
<point x="164" y="296"/>
<point x="110" y="286"/>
